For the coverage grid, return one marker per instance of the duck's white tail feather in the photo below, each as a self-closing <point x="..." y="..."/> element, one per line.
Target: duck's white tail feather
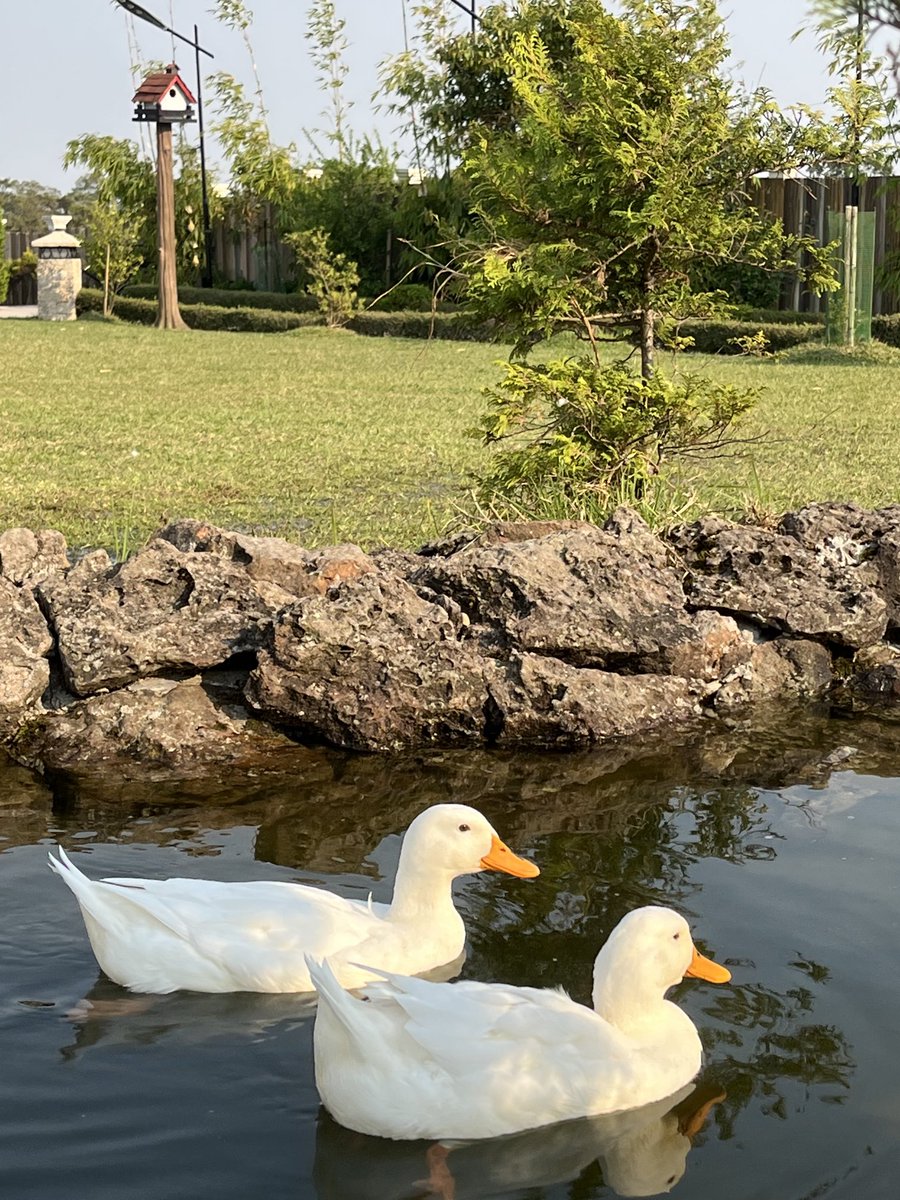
<point x="339" y="1002"/>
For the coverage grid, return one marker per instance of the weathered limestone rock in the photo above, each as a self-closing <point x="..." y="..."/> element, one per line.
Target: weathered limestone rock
<point x="590" y="597"/>
<point x="498" y="533"/>
<point x="774" y="581"/>
<point x="876" y="673"/>
<point x="542" y="702"/>
<point x="160" y="611"/>
<point x="372" y="666"/>
<point x="28" y="557"/>
<point x="781" y="666"/>
<point x="850" y="535"/>
<point x="297" y="571"/>
<point x="154" y="721"/>
<point x="25" y="642"/>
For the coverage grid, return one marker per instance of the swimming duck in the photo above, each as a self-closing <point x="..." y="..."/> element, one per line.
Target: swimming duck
<point x="162" y="935"/>
<point x="414" y="1059"/>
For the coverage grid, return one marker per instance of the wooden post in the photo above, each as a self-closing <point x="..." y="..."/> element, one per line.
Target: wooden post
<point x="169" y="314"/>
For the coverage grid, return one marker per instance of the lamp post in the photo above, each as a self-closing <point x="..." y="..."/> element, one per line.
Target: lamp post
<point x="137" y="11"/>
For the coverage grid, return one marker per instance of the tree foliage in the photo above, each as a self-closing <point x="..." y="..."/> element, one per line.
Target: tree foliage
<point x="630" y="163"/>
<point x="332" y="277"/>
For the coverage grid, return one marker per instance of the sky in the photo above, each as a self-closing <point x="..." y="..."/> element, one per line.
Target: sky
<point x="67" y="67"/>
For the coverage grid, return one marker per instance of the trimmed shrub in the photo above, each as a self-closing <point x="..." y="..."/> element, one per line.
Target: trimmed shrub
<point x="404" y="297"/>
<point x="453" y="326"/>
<point x="228" y="298"/>
<point x="887" y="329"/>
<point x="202" y="316"/>
<point x="716" y="337"/>
<point x="777" y="316"/>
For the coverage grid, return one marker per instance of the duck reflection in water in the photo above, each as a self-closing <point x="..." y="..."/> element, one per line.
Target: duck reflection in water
<point x="110" y="1016"/>
<point x="642" y="1152"/>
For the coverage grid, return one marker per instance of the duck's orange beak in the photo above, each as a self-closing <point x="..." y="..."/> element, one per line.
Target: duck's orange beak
<point x="501" y="858"/>
<point x="705" y="968"/>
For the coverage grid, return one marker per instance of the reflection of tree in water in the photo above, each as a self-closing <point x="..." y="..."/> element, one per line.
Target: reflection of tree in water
<point x="645" y="855"/>
<point x="762" y="1044"/>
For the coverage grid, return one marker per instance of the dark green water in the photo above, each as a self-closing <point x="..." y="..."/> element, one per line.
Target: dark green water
<point x="778" y="843"/>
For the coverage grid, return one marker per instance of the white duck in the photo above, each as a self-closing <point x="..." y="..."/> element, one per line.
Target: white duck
<point x="413" y="1059"/>
<point x="161" y="935"/>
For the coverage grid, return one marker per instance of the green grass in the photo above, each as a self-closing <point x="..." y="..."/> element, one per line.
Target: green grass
<point x="108" y="430"/>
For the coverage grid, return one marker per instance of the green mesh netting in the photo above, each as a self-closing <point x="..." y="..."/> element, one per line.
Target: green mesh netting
<point x="837" y="328"/>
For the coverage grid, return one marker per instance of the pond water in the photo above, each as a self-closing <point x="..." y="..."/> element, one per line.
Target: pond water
<point x="778" y="842"/>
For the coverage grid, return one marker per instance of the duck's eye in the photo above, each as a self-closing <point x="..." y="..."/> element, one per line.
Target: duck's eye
<point x="675" y="937"/>
<point x="464" y="829"/>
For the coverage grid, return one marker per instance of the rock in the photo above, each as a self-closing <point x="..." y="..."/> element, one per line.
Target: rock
<point x="372" y="666"/>
<point x="160" y="611"/>
<point x="25" y="642"/>
<point x="155" y="722"/>
<point x="774" y="581"/>
<point x="499" y="533"/>
<point x="296" y="571"/>
<point x="876" y="673"/>
<point x="590" y="597"/>
<point x="542" y="702"/>
<point x="848" y="535"/>
<point x="27" y="557"/>
<point x="782" y="666"/>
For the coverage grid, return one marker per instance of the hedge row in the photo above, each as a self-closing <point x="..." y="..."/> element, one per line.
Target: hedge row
<point x="887" y="329"/>
<point x="777" y="316"/>
<point x="229" y="298"/>
<point x="453" y="326"/>
<point x="718" y="337"/>
<point x="201" y="316"/>
<point x="710" y="337"/>
<point x="405" y="297"/>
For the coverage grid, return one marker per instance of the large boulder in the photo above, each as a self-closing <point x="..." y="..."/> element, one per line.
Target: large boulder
<point x="542" y="702"/>
<point x="777" y="667"/>
<point x="25" y="643"/>
<point x="771" y="579"/>
<point x="160" y="611"/>
<point x="850" y="535"/>
<point x="270" y="560"/>
<point x="165" y="723"/>
<point x="592" y="597"/>
<point x="371" y="665"/>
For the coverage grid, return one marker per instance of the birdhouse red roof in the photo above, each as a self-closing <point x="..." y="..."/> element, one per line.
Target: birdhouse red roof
<point x="157" y="85"/>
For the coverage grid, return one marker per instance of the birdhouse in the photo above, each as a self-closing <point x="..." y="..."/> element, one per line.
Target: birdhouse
<point x="164" y="98"/>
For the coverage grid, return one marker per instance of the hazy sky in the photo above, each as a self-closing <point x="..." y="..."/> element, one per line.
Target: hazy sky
<point x="66" y="66"/>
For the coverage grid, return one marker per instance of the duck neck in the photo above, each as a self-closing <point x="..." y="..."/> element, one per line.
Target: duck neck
<point x="422" y="892"/>
<point x="624" y="1003"/>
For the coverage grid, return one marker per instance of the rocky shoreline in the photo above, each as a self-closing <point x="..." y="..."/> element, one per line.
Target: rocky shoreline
<point x="215" y="647"/>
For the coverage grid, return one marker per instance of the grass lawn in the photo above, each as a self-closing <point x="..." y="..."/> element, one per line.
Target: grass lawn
<point x="108" y="430"/>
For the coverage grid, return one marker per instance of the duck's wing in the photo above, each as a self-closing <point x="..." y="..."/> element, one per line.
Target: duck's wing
<point x="469" y="1027"/>
<point x="251" y="936"/>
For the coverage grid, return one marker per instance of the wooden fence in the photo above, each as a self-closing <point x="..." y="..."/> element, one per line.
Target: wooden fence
<point x="803" y="206"/>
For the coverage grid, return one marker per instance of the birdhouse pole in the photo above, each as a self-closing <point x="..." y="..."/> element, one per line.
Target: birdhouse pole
<point x="169" y="313"/>
<point x="164" y="98"/>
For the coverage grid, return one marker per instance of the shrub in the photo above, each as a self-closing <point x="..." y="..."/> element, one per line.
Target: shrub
<point x="404" y="297"/>
<point x="453" y="326"/>
<point x="202" y="316"/>
<point x="228" y="298"/>
<point x="333" y="277"/>
<point x="579" y="437"/>
<point x="724" y="337"/>
<point x="887" y="329"/>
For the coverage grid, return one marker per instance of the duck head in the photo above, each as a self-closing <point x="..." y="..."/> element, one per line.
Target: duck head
<point x="455" y="839"/>
<point x="648" y="952"/>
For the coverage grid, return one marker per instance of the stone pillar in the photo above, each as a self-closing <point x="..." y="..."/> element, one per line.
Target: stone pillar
<point x="58" y="272"/>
